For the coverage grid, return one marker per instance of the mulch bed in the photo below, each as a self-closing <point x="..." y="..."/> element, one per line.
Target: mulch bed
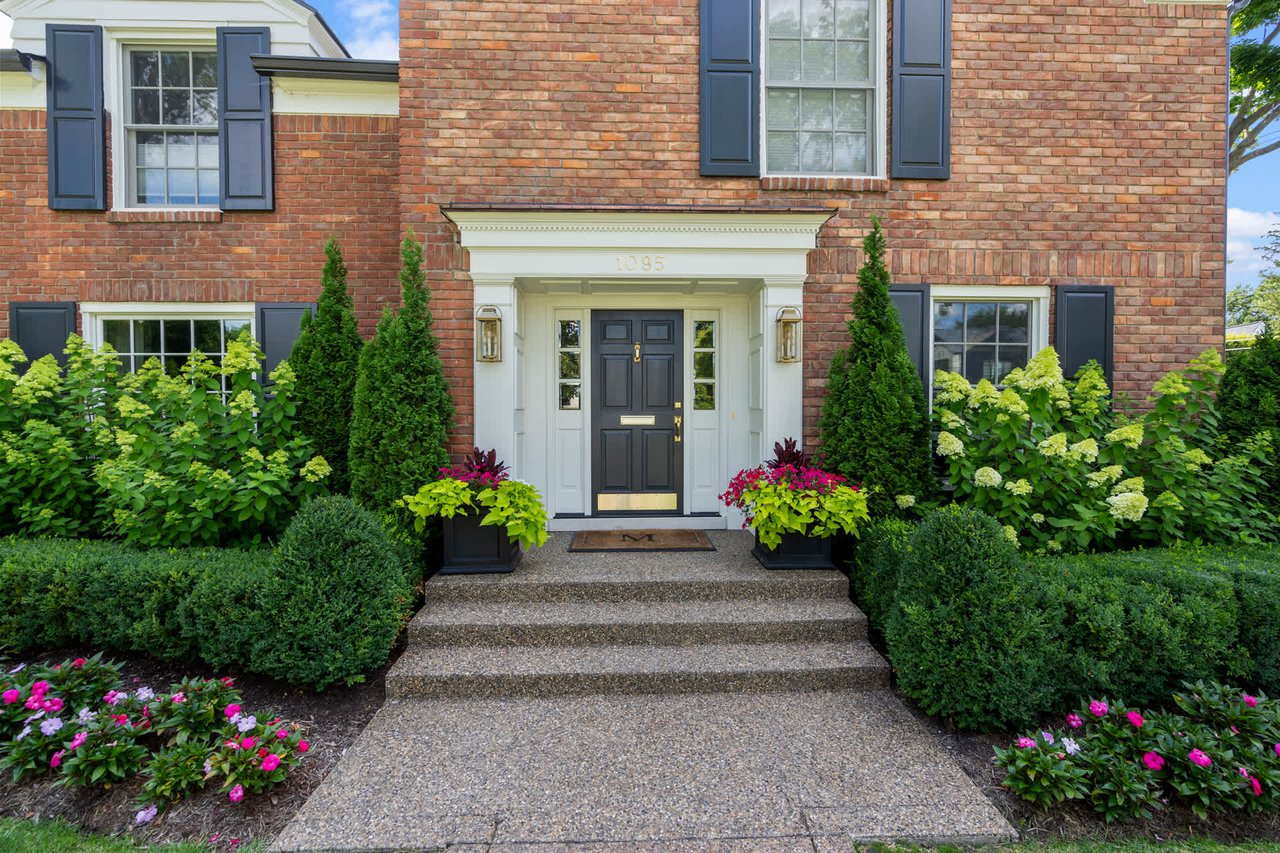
<point x="331" y="721"/>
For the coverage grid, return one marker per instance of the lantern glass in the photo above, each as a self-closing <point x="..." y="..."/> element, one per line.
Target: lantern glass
<point x="788" y="335"/>
<point x="488" y="334"/>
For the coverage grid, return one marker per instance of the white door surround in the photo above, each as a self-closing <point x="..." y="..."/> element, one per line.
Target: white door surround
<point x="541" y="267"/>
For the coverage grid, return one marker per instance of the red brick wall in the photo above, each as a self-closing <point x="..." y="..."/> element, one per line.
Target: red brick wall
<point x="333" y="175"/>
<point x="1088" y="143"/>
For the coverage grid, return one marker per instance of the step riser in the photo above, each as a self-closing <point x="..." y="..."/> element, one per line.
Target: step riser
<point x="797" y="588"/>
<point x="657" y="634"/>
<point x="583" y="684"/>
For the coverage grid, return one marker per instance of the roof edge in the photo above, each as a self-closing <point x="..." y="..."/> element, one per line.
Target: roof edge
<point x="379" y="70"/>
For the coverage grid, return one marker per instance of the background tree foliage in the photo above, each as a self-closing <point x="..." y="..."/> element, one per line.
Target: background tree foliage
<point x="1261" y="302"/>
<point x="1255" y="80"/>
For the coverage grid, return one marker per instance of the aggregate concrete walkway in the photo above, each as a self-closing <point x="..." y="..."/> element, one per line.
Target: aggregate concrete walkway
<point x="545" y="727"/>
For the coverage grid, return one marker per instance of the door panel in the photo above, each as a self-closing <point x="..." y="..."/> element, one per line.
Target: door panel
<point x="637" y="445"/>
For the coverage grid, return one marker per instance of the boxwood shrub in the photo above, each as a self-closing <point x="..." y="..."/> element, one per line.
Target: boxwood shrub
<point x="325" y="606"/>
<point x="1134" y="624"/>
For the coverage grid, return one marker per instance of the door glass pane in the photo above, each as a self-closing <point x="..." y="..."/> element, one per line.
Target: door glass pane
<point x="116" y="333"/>
<point x="146" y="336"/>
<point x="784" y="109"/>
<point x="704" y="365"/>
<point x="1014" y="322"/>
<point x="980" y="323"/>
<point x="704" y="396"/>
<point x="177" y="337"/>
<point x="784" y="18"/>
<point x="570" y="396"/>
<point x="704" y="334"/>
<point x="570" y="365"/>
<point x="570" y="333"/>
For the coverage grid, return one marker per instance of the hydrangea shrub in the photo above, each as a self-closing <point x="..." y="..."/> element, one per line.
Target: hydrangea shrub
<point x="1062" y="471"/>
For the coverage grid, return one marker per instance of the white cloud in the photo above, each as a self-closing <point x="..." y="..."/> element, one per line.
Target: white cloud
<point x="1249" y="224"/>
<point x="376" y="45"/>
<point x="6" y="30"/>
<point x="374" y="13"/>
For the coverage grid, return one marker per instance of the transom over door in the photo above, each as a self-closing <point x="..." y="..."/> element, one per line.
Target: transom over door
<point x="637" y="458"/>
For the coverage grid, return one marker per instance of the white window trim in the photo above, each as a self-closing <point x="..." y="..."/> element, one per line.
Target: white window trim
<point x="117" y="42"/>
<point x="878" y="137"/>
<point x="1039" y="297"/>
<point x="93" y="313"/>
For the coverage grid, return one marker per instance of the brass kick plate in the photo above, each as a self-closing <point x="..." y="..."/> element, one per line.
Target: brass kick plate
<point x="654" y="502"/>
<point x="637" y="420"/>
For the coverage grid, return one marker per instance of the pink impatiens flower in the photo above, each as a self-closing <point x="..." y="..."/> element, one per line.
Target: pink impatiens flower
<point x="236" y="794"/>
<point x="1098" y="709"/>
<point x="247" y="743"/>
<point x="302" y="747"/>
<point x="1198" y="757"/>
<point x="1026" y="742"/>
<point x="40" y="688"/>
<point x="112" y="697"/>
<point x="232" y="744"/>
<point x="1074" y="721"/>
<point x="53" y="705"/>
<point x="11" y="696"/>
<point x="179" y="698"/>
<point x="57" y="758"/>
<point x="78" y="663"/>
<point x="1152" y="760"/>
<point x="1243" y="771"/>
<point x="281" y="735"/>
<point x="1251" y="701"/>
<point x="1257" y="786"/>
<point x="78" y="740"/>
<point x="271" y="762"/>
<point x="231" y="711"/>
<point x="1135" y="719"/>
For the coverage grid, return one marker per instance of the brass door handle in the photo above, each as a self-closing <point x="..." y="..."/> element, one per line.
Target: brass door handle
<point x="637" y="358"/>
<point x="679" y="436"/>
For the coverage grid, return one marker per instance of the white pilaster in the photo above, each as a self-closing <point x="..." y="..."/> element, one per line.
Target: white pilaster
<point x="495" y="382"/>
<point x="783" y="383"/>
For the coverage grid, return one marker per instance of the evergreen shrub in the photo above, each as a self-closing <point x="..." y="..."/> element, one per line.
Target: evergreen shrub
<point x="874" y="428"/>
<point x="967" y="643"/>
<point x="874" y="571"/>
<point x="1249" y="403"/>
<point x="326" y="357"/>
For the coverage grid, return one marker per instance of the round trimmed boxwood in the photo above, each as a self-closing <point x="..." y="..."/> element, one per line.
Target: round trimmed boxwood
<point x="335" y="598"/>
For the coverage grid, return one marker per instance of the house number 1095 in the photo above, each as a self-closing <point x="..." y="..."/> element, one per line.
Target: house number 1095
<point x="641" y="263"/>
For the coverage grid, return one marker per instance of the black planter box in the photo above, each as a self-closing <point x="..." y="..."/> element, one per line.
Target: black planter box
<point x="469" y="549"/>
<point x="796" y="552"/>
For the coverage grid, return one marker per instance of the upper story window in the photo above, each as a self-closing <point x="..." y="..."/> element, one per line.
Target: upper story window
<point x="172" y="126"/>
<point x="820" y="77"/>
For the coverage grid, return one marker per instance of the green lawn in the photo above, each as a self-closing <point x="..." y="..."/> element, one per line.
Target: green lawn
<point x="24" y="836"/>
<point x="1132" y="846"/>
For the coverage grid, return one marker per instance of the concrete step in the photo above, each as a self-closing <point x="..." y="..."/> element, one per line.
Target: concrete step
<point x="636" y="622"/>
<point x="550" y="671"/>
<point x="753" y="586"/>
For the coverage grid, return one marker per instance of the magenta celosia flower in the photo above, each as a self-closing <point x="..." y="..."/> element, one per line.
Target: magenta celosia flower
<point x="57" y="758"/>
<point x="1098" y="709"/>
<point x="11" y="696"/>
<point x="271" y="762"/>
<point x="1198" y="757"/>
<point x="1074" y="721"/>
<point x="231" y="710"/>
<point x="78" y="739"/>
<point x="302" y="747"/>
<point x="1257" y="786"/>
<point x="1135" y="719"/>
<point x="1152" y="760"/>
<point x="236" y="794"/>
<point x="1251" y="701"/>
<point x="1026" y="742"/>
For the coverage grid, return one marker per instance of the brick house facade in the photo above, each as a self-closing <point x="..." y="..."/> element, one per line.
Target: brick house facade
<point x="552" y="157"/>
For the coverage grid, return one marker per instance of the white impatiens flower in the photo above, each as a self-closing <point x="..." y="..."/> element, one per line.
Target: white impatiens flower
<point x="905" y="501"/>
<point x="1018" y="487"/>
<point x="1054" y="445"/>
<point x="949" y="445"/>
<point x="988" y="477"/>
<point x="1128" y="506"/>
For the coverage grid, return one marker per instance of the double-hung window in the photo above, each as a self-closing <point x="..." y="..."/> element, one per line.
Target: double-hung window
<point x="986" y="332"/>
<point x="172" y="126"/>
<point x="821" y="72"/>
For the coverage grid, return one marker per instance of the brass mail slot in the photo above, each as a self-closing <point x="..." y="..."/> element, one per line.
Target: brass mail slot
<point x="638" y="420"/>
<point x="651" y="502"/>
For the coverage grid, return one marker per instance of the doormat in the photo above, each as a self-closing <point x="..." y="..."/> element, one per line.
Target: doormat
<point x="641" y="540"/>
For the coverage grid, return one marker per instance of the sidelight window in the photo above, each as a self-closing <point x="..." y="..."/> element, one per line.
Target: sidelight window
<point x="704" y="365"/>
<point x="569" y="364"/>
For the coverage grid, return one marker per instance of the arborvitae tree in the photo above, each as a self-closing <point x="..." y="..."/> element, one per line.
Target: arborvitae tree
<point x="403" y="411"/>
<point x="874" y="427"/>
<point x="1249" y="403"/>
<point x="326" y="357"/>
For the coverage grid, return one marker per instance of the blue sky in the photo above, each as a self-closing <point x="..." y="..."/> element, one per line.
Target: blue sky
<point x="369" y="30"/>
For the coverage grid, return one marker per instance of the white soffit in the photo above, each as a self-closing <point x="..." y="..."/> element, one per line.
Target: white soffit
<point x="322" y="96"/>
<point x="508" y="244"/>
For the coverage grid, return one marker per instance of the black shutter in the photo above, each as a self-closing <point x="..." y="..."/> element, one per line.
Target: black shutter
<point x="1085" y="327"/>
<point x="42" y="328"/>
<point x="912" y="301"/>
<point x="76" y="119"/>
<point x="277" y="325"/>
<point x="730" y="81"/>
<point x="244" y="120"/>
<point x="921" y="89"/>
